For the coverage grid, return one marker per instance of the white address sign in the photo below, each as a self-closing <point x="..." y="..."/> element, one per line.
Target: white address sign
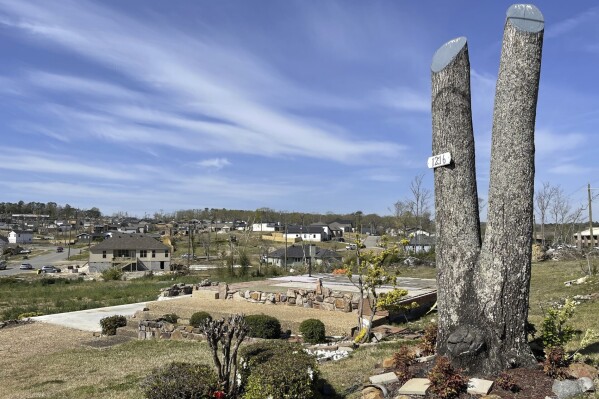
<point x="439" y="160"/>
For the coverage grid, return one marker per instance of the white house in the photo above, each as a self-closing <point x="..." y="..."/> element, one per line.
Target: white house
<point x="306" y="233"/>
<point x="20" y="237"/>
<point x="264" y="227"/>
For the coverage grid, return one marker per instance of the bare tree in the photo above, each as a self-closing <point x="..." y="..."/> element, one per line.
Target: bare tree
<point x="543" y="200"/>
<point x="421" y="198"/>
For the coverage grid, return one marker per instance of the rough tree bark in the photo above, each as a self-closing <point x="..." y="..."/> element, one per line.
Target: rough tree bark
<point x="483" y="290"/>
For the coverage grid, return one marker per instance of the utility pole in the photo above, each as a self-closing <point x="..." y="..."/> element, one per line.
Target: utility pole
<point x="590" y="218"/>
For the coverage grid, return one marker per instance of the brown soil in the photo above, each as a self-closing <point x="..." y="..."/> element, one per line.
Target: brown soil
<point x="336" y="323"/>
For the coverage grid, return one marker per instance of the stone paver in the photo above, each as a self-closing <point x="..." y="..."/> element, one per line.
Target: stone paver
<point x="386" y="378"/>
<point x="415" y="386"/>
<point x="477" y="386"/>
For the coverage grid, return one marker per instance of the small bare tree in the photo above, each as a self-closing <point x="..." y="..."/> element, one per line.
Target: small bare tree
<point x="543" y="200"/>
<point x="226" y="334"/>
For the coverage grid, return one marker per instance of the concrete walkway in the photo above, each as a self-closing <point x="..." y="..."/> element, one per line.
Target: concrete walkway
<point x="89" y="319"/>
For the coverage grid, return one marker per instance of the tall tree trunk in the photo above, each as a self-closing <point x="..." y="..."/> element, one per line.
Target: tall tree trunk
<point x="456" y="200"/>
<point x="483" y="293"/>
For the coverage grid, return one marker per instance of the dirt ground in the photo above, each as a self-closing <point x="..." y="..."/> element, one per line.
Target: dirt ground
<point x="336" y="323"/>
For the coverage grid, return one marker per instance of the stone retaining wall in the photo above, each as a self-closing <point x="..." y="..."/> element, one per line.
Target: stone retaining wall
<point x="320" y="298"/>
<point x="150" y="329"/>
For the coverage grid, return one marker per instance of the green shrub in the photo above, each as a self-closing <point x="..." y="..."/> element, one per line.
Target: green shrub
<point x="263" y="326"/>
<point x="313" y="331"/>
<point x="111" y="323"/>
<point x="112" y="273"/>
<point x="554" y="330"/>
<point x="180" y="380"/>
<point x="445" y="381"/>
<point x="170" y="318"/>
<point x="198" y="318"/>
<point x="277" y="369"/>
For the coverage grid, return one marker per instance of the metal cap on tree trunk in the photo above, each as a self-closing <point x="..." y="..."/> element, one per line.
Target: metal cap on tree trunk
<point x="447" y="52"/>
<point x="526" y="17"/>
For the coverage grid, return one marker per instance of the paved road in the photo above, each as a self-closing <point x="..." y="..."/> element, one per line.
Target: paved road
<point x="47" y="258"/>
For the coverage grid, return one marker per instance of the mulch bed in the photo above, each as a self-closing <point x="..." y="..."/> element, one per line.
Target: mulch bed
<point x="532" y="383"/>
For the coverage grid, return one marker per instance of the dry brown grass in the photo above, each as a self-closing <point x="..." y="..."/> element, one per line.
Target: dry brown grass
<point x="336" y="323"/>
<point x="46" y="361"/>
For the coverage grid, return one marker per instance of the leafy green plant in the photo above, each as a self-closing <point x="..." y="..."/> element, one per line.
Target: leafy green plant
<point x="268" y="371"/>
<point x="180" y="380"/>
<point x="429" y="339"/>
<point x="313" y="331"/>
<point x="402" y="360"/>
<point x="368" y="271"/>
<point x="112" y="273"/>
<point x="27" y="315"/>
<point x="554" y="329"/>
<point x="111" y="323"/>
<point x="263" y="326"/>
<point x="198" y="318"/>
<point x="445" y="381"/>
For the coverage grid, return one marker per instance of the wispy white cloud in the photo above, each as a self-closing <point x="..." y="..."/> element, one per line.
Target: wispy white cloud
<point x="548" y="142"/>
<point x="214" y="163"/>
<point x="405" y="99"/>
<point x="570" y="169"/>
<point x="192" y="75"/>
<point x="570" y="24"/>
<point x="44" y="163"/>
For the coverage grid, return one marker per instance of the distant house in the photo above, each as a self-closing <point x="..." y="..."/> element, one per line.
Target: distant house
<point x="421" y="243"/>
<point x="265" y="227"/>
<point x="583" y="238"/>
<point x="130" y="252"/>
<point x="297" y="253"/>
<point x="344" y="225"/>
<point x="307" y="233"/>
<point x="20" y="237"/>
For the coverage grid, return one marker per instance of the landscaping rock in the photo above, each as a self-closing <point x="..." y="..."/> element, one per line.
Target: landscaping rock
<point x="386" y="378"/>
<point x="372" y="393"/>
<point x="586" y="384"/>
<point x="566" y="389"/>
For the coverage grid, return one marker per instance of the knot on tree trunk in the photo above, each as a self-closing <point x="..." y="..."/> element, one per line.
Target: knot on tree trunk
<point x="465" y="340"/>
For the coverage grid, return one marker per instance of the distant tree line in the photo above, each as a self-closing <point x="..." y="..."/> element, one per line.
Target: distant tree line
<point x="52" y="209"/>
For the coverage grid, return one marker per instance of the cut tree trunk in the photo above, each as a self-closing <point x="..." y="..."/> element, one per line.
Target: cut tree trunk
<point x="483" y="291"/>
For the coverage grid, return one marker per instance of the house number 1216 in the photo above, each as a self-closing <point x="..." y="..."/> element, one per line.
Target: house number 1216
<point x="439" y="160"/>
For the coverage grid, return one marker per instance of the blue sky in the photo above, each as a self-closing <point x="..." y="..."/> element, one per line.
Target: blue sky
<point x="144" y="105"/>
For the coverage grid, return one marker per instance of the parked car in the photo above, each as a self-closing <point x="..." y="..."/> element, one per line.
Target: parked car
<point x="351" y="246"/>
<point x="2" y="265"/>
<point x="59" y="249"/>
<point x="25" y="251"/>
<point x="50" y="269"/>
<point x="26" y="266"/>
